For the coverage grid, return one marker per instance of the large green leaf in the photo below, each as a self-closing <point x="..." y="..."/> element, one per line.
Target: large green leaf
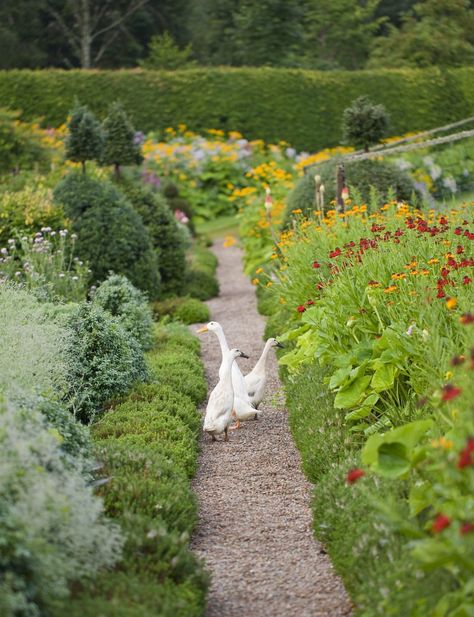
<point x="352" y="394"/>
<point x="393" y="459"/>
<point x="384" y="377"/>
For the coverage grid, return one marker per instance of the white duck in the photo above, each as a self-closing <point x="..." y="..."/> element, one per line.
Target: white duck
<point x="255" y="381"/>
<point x="221" y="401"/>
<point x="243" y="409"/>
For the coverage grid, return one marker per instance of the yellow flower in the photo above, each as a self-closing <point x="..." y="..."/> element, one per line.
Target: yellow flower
<point x="442" y="442"/>
<point x="258" y="270"/>
<point x="398" y="277"/>
<point x="451" y="303"/>
<point x="269" y="284"/>
<point x="433" y="261"/>
<point x="255" y="281"/>
<point x="390" y="289"/>
<point x="229" y="241"/>
<point x="297" y="211"/>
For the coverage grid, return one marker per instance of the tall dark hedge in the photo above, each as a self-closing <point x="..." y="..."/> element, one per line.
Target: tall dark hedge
<point x="111" y="234"/>
<point x="302" y="107"/>
<point x="166" y="236"/>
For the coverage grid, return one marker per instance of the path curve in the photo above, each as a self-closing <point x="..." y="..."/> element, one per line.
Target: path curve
<point x="254" y="528"/>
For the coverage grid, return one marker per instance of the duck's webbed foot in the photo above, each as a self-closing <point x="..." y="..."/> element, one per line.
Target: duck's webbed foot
<point x="235" y="426"/>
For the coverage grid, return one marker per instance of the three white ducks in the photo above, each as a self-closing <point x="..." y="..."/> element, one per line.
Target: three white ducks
<point x="255" y="380"/>
<point x="243" y="408"/>
<point x="221" y="401"/>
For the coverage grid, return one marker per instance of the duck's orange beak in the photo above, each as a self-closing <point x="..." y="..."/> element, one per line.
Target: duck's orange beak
<point x="201" y="330"/>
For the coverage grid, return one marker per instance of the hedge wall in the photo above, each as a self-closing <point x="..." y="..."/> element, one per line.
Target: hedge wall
<point x="301" y="107"/>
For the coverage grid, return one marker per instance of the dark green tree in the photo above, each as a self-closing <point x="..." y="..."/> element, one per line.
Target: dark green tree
<point x="84" y="141"/>
<point x="437" y="32"/>
<point x="163" y="53"/>
<point x="364" y="123"/>
<point x="120" y="145"/>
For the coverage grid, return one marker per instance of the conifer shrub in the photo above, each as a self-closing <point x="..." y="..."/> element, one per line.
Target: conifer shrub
<point x="111" y="234"/>
<point x="120" y="146"/>
<point x="129" y="305"/>
<point x="385" y="177"/>
<point x="84" y="141"/>
<point x="166" y="235"/>
<point x="103" y="361"/>
<point x="364" y="123"/>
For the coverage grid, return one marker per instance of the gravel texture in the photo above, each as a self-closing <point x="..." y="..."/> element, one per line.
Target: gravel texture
<point x="255" y="521"/>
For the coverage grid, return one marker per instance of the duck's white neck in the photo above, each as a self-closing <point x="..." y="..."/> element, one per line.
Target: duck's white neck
<point x="263" y="358"/>
<point x="226" y="379"/>
<point x="222" y="341"/>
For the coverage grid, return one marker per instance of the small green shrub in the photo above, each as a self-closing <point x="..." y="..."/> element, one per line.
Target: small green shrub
<point x="364" y="123"/>
<point x="181" y="371"/>
<point x="129" y="305"/>
<point x="201" y="258"/>
<point x="384" y="176"/>
<point x="201" y="285"/>
<point x="104" y="361"/>
<point x="174" y="335"/>
<point x="84" y="141"/>
<point x="187" y="310"/>
<point x="111" y="234"/>
<point x="119" y="145"/>
<point x="165" y="232"/>
<point x="147" y="423"/>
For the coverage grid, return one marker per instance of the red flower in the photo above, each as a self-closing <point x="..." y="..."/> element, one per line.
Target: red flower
<point x="465" y="456"/>
<point x="444" y="272"/>
<point x="466" y="318"/>
<point x="459" y="249"/>
<point x="466" y="528"/>
<point x="458" y="231"/>
<point x="337" y="251"/>
<point x="441" y="294"/>
<point x="301" y="308"/>
<point x="374" y="283"/>
<point x="441" y="522"/>
<point x="443" y="221"/>
<point x="466" y="280"/>
<point x="310" y="302"/>
<point x="316" y="264"/>
<point x="457" y="360"/>
<point x="450" y="392"/>
<point x="354" y="474"/>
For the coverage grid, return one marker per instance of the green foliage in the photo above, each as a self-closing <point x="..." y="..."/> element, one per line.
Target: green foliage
<point x="186" y="310"/>
<point x="84" y="140"/>
<point x="166" y="235"/>
<point x="386" y="177"/>
<point x="163" y="53"/>
<point x="104" y="361"/>
<point x="364" y="123"/>
<point x="438" y="32"/>
<point x="26" y="211"/>
<point x="129" y="305"/>
<point x="178" y="369"/>
<point x="148" y="444"/>
<point x="201" y="285"/>
<point x="20" y="147"/>
<point x="98" y="210"/>
<point x="120" y="146"/>
<point x="52" y="528"/>
<point x="232" y="99"/>
<point x="45" y="265"/>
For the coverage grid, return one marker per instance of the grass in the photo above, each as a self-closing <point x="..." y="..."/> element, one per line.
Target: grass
<point x="225" y="225"/>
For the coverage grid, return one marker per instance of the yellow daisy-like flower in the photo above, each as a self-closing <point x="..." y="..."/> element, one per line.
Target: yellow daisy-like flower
<point x="451" y="303"/>
<point x="255" y="281"/>
<point x="259" y="271"/>
<point x="390" y="289"/>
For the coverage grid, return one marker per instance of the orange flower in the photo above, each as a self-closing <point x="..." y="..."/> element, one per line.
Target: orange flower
<point x="390" y="289"/>
<point x="451" y="303"/>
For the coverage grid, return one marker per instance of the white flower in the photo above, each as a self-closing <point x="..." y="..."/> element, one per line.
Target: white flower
<point x="75" y="278"/>
<point x="53" y="233"/>
<point x="61" y="275"/>
<point x="11" y="241"/>
<point x="73" y="236"/>
<point x="4" y="251"/>
<point x="17" y="273"/>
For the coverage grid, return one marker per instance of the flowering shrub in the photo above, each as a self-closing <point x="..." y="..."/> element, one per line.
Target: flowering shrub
<point x="46" y="265"/>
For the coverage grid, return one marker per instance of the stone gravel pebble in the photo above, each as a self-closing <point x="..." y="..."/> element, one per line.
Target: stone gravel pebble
<point x="255" y="521"/>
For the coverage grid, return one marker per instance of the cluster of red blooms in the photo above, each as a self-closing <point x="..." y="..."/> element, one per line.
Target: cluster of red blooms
<point x="465" y="456"/>
<point x="354" y="474"/>
<point x="453" y="265"/>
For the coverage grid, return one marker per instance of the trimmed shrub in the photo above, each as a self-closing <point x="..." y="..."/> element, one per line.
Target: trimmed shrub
<point x="187" y="310"/>
<point x="239" y="98"/>
<point x="384" y="176"/>
<point x="176" y="336"/>
<point x="201" y="258"/>
<point x="364" y="123"/>
<point x="179" y="370"/>
<point x="100" y="212"/>
<point x="84" y="141"/>
<point x="201" y="285"/>
<point x="104" y="361"/>
<point x="119" y="145"/>
<point x="166" y="235"/>
<point x="52" y="529"/>
<point x="129" y="305"/>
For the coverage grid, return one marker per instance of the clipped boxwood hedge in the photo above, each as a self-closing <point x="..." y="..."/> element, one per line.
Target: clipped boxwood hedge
<point x="305" y="106"/>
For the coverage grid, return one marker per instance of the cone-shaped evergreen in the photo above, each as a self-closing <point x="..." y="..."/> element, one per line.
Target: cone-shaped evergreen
<point x="119" y="140"/>
<point x="364" y="123"/>
<point x="84" y="141"/>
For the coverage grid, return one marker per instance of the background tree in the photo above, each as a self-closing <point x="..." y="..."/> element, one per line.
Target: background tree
<point x="84" y="140"/>
<point x="339" y="33"/>
<point x="163" y="53"/>
<point x="437" y="32"/>
<point x="364" y="123"/>
<point x="120" y="144"/>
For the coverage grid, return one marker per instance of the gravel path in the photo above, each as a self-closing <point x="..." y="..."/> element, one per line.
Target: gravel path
<point x="254" y="526"/>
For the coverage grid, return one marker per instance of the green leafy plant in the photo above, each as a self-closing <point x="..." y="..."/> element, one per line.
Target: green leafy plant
<point x="163" y="53"/>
